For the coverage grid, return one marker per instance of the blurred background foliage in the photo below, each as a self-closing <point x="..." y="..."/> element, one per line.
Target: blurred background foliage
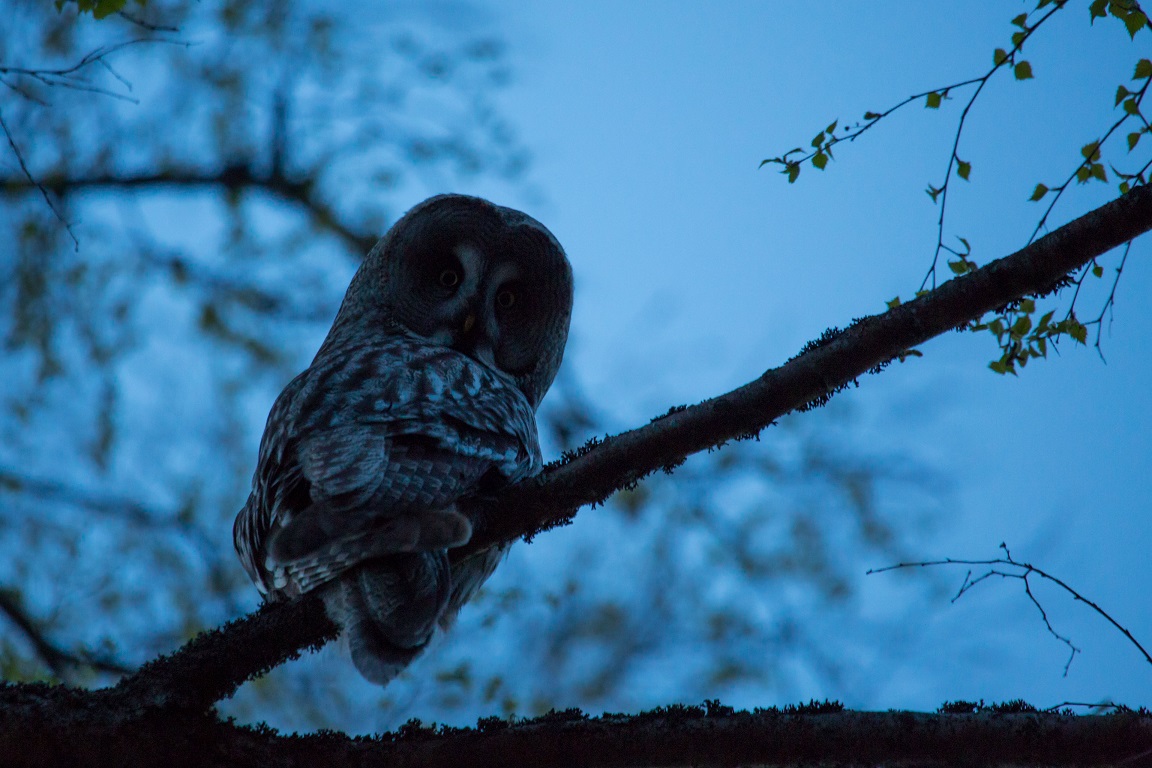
<point x="215" y="170"/>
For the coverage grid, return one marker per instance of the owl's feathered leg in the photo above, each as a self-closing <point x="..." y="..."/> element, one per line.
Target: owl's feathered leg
<point x="389" y="609"/>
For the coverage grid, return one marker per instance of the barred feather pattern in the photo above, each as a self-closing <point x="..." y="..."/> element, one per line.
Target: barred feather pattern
<point x="364" y="459"/>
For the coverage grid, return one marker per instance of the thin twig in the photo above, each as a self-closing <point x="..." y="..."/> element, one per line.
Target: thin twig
<point x="1059" y="190"/>
<point x="1009" y="58"/>
<point x="1110" y="302"/>
<point x="145" y="24"/>
<point x="32" y="180"/>
<point x="89" y="58"/>
<point x="1026" y="570"/>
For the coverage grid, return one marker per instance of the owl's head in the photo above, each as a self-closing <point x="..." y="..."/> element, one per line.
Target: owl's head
<point x="488" y="281"/>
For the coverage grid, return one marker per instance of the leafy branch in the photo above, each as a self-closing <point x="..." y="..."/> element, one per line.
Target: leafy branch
<point x="1013" y="327"/>
<point x="1018" y="335"/>
<point x="823" y="142"/>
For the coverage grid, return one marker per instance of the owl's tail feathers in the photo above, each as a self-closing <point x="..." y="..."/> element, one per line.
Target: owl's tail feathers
<point x="310" y="551"/>
<point x="325" y="527"/>
<point x="389" y="609"/>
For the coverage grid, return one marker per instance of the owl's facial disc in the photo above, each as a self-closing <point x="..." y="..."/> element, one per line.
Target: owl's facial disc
<point x="469" y="329"/>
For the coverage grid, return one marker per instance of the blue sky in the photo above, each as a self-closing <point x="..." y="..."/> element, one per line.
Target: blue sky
<point x="696" y="271"/>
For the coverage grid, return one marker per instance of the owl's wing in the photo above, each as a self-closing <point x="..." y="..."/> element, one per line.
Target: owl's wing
<point x="365" y="454"/>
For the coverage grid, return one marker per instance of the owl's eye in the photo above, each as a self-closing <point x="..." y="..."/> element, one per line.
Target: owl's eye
<point x="506" y="298"/>
<point x="449" y="278"/>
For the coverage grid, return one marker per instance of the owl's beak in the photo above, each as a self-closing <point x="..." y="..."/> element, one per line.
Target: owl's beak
<point x="469" y="321"/>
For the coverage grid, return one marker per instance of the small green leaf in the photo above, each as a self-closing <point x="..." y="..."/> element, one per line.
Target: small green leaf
<point x="967" y="247"/>
<point x="831" y="128"/>
<point x="963" y="169"/>
<point x="997" y="327"/>
<point x="1043" y="325"/>
<point x="1091" y="151"/>
<point x="793" y="171"/>
<point x="1083" y="174"/>
<point x="1134" y="22"/>
<point x="872" y="115"/>
<point x="1097" y="172"/>
<point x="1020" y="21"/>
<point x="1098" y="271"/>
<point x="1121" y="92"/>
<point x="816" y="142"/>
<point x="1022" y="325"/>
<point x="934" y="192"/>
<point x="1133" y="138"/>
<point x="999" y="366"/>
<point x="1131" y="107"/>
<point x="959" y="266"/>
<point x="893" y="303"/>
<point x="1078" y="331"/>
<point x="1017" y="39"/>
<point x="1143" y="70"/>
<point x="932" y="100"/>
<point x="1124" y="188"/>
<point x="820" y="160"/>
<point x="1023" y="71"/>
<point x="105" y="8"/>
<point x="1039" y="192"/>
<point x="1028" y="305"/>
<point x="999" y="56"/>
<point x="1097" y="10"/>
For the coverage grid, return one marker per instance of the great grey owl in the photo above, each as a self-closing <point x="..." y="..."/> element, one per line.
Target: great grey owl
<point x="422" y="396"/>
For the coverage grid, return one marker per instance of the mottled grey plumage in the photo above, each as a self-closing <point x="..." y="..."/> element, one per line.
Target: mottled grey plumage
<point x="422" y="396"/>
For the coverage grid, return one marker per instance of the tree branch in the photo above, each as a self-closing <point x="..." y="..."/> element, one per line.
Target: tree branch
<point x="824" y="367"/>
<point x="603" y="467"/>
<point x="214" y="664"/>
<point x="164" y="709"/>
<point x="673" y="736"/>
<point x="58" y="660"/>
<point x="232" y="177"/>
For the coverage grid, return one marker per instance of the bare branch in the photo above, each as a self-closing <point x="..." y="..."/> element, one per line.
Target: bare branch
<point x="59" y="76"/>
<point x="134" y="19"/>
<point x="33" y="182"/>
<point x="1022" y="572"/>
<point x="232" y="177"/>
<point x="60" y="661"/>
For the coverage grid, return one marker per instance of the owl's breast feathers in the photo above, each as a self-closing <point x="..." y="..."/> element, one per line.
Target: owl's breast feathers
<point x="365" y="454"/>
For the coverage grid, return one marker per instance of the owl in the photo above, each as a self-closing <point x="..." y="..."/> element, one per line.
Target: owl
<point x="422" y="397"/>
